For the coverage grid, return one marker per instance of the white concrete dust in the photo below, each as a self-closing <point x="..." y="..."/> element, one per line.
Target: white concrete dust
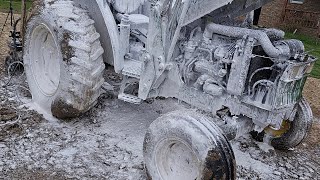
<point x="106" y="143"/>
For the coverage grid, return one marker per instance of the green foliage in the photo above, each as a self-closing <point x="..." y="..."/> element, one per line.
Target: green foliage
<point x="16" y="5"/>
<point x="312" y="46"/>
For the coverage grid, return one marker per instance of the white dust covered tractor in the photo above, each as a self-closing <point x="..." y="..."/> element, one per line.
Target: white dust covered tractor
<point x="245" y="78"/>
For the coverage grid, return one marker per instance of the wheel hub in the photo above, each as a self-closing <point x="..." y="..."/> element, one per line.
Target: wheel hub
<point x="285" y="127"/>
<point x="45" y="61"/>
<point x="176" y="160"/>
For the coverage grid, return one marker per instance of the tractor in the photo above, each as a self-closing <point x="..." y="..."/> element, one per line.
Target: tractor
<point x="207" y="53"/>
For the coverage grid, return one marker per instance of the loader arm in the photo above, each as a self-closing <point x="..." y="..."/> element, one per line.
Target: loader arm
<point x="235" y="9"/>
<point x="173" y="15"/>
<point x="221" y="8"/>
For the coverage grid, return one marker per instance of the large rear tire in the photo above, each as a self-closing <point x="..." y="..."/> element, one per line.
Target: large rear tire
<point x="186" y="145"/>
<point x="63" y="58"/>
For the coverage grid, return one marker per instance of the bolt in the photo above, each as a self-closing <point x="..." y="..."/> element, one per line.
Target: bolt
<point x="161" y="66"/>
<point x="169" y="66"/>
<point x="160" y="59"/>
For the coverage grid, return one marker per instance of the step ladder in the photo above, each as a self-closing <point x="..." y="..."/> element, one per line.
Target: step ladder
<point x="129" y="98"/>
<point x="132" y="69"/>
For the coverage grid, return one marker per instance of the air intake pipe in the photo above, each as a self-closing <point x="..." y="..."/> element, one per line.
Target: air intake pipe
<point x="237" y="32"/>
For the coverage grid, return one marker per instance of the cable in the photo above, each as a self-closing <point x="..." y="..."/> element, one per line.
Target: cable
<point x="17" y="94"/>
<point x="11" y="11"/>
<point x="14" y="70"/>
<point x="15" y="85"/>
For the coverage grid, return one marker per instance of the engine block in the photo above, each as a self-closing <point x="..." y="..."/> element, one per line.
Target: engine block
<point x="242" y="69"/>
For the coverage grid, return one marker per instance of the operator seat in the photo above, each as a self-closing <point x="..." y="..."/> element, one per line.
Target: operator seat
<point x="137" y="13"/>
<point x="128" y="6"/>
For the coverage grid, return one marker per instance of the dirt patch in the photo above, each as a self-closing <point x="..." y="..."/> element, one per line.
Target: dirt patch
<point x="4" y="42"/>
<point x="14" y="120"/>
<point x="23" y="174"/>
<point x="312" y="94"/>
<point x="4" y="38"/>
<point x="313" y="139"/>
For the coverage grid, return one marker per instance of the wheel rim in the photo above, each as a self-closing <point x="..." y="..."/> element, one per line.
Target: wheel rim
<point x="285" y="127"/>
<point x="44" y="58"/>
<point x="176" y="160"/>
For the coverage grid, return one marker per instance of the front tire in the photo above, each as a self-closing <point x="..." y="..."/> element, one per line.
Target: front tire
<point x="63" y="59"/>
<point x="299" y="128"/>
<point x="186" y="145"/>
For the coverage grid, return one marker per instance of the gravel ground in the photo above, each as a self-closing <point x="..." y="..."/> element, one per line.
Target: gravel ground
<point x="312" y="93"/>
<point x="106" y="143"/>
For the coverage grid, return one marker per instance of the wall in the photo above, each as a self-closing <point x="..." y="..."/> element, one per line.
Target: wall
<point x="271" y="14"/>
<point x="304" y="18"/>
<point x="308" y="5"/>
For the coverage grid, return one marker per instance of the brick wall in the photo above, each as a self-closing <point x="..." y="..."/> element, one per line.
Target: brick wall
<point x="308" y="5"/>
<point x="271" y="13"/>
<point x="289" y="16"/>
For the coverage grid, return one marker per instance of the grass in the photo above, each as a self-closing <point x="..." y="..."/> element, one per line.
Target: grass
<point x="16" y="5"/>
<point x="312" y="46"/>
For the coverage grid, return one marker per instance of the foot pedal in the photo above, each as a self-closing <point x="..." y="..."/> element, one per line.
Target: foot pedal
<point x="132" y="68"/>
<point x="129" y="98"/>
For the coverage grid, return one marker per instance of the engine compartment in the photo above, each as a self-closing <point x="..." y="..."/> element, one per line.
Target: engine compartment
<point x="241" y="66"/>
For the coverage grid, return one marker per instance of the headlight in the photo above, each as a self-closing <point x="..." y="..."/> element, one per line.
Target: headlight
<point x="296" y="71"/>
<point x="309" y="68"/>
